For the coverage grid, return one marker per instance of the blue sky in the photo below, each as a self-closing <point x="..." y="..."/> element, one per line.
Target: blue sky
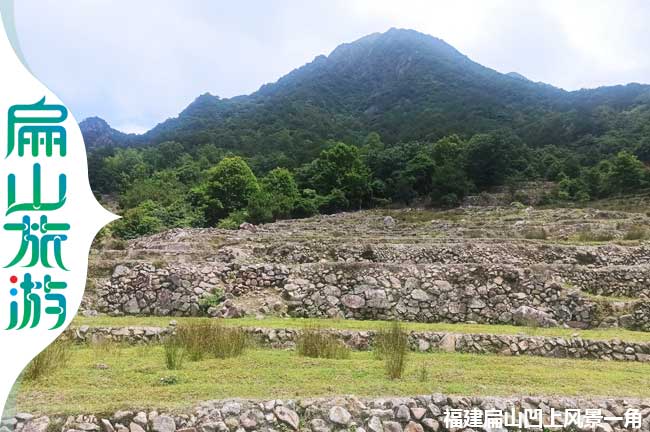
<point x="136" y="63"/>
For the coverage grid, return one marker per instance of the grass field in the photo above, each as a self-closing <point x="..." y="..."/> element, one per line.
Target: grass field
<point x="269" y="322"/>
<point x="133" y="378"/>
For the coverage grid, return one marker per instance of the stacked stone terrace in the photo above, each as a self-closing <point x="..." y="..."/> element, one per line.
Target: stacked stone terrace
<point x="477" y="264"/>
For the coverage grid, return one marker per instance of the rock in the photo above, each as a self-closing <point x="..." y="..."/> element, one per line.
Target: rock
<point x="418" y="413"/>
<point x="132" y="307"/>
<point x="353" y="301"/>
<point x="247" y="226"/>
<point x="287" y="416"/>
<point x="419" y="295"/>
<point x="4" y="429"/>
<point x="163" y="423"/>
<point x="413" y="427"/>
<point x="122" y="416"/>
<point x="37" y="425"/>
<point x="423" y="345"/>
<point x="340" y="415"/>
<point x="23" y="417"/>
<point x="319" y="425"/>
<point x="141" y="419"/>
<point x="120" y="270"/>
<point x="87" y="427"/>
<point x="392" y="426"/>
<point x="389" y="222"/>
<point x="403" y="413"/>
<point x="528" y="316"/>
<point x="431" y="424"/>
<point x="374" y="424"/>
<point x="248" y="420"/>
<point x="107" y="426"/>
<point x="134" y="427"/>
<point x="448" y="343"/>
<point x="604" y="427"/>
<point x="231" y="409"/>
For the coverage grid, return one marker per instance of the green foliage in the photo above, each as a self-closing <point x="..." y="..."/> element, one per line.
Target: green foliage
<point x="493" y="157"/>
<point x="229" y="186"/>
<point x="55" y="356"/>
<point x="202" y="339"/>
<point x="234" y="220"/>
<point x="391" y="345"/>
<point x="174" y="352"/>
<point x="637" y="232"/>
<point x="317" y="343"/>
<point x="215" y="297"/>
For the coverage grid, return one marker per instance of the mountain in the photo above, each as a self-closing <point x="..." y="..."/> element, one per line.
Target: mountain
<point x="402" y="84"/>
<point x="97" y="133"/>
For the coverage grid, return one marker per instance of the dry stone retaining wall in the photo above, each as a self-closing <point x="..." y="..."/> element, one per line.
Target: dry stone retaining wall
<point x="403" y="414"/>
<point x="422" y="341"/>
<point x="425" y="293"/>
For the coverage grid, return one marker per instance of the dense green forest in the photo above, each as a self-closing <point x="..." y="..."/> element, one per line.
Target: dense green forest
<point x="392" y="118"/>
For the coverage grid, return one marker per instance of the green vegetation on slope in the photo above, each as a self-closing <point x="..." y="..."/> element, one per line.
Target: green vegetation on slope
<point x="390" y="118"/>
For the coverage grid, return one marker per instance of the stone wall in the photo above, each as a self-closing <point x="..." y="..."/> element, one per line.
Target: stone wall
<point x="403" y="414"/>
<point x="430" y="293"/>
<point x="422" y="341"/>
<point x="181" y="290"/>
<point x="425" y="293"/>
<point x="455" y="251"/>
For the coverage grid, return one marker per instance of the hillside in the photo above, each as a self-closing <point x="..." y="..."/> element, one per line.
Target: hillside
<point x="402" y="84"/>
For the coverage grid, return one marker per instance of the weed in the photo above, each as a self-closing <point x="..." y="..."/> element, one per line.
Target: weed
<point x="391" y="345"/>
<point x="174" y="353"/>
<point x="317" y="343"/>
<point x="54" y="356"/>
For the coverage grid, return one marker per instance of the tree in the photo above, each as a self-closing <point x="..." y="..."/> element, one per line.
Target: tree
<point x="627" y="172"/>
<point x="494" y="157"/>
<point x="339" y="167"/>
<point x="229" y="187"/>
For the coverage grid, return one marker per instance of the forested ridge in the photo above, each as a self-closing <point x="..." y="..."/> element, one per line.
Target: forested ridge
<point x="390" y="118"/>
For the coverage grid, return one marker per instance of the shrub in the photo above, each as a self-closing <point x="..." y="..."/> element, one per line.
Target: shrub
<point x="202" y="339"/>
<point x="535" y="234"/>
<point x="54" y="356"/>
<point x="233" y="220"/>
<point x="594" y="236"/>
<point x="174" y="353"/>
<point x="317" y="343"/>
<point x="636" y="233"/>
<point x="213" y="299"/>
<point x="422" y="373"/>
<point x="391" y="345"/>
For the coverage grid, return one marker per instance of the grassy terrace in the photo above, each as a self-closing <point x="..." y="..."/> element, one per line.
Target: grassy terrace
<point x="134" y="373"/>
<point x="596" y="334"/>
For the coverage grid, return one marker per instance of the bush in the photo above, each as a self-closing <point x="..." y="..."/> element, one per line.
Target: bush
<point x="317" y="343"/>
<point x="594" y="236"/>
<point x="202" y="339"/>
<point x="213" y="299"/>
<point x="174" y="353"/>
<point x="233" y="220"/>
<point x="391" y="345"/>
<point x="636" y="233"/>
<point x="535" y="234"/>
<point x="54" y="356"/>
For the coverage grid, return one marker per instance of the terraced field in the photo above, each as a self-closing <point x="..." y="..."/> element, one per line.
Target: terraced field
<point x="504" y="302"/>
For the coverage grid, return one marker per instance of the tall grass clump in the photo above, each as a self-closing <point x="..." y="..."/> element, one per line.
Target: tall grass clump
<point x="195" y="339"/>
<point x="174" y="352"/>
<point x="51" y="358"/>
<point x="391" y="346"/>
<point x="228" y="342"/>
<point x="317" y="343"/>
<point x="200" y="340"/>
<point x="588" y="235"/>
<point x="636" y="233"/>
<point x="535" y="234"/>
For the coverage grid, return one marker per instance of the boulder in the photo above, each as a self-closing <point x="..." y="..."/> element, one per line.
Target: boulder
<point x="529" y="316"/>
